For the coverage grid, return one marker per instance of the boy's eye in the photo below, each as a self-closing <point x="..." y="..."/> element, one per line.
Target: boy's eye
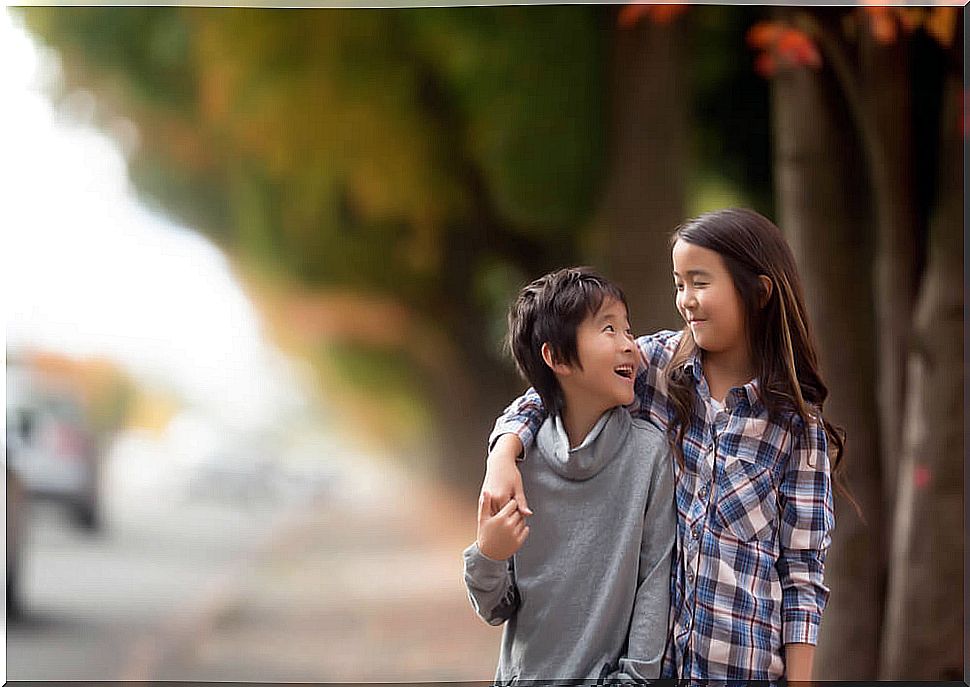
<point x="609" y="328"/>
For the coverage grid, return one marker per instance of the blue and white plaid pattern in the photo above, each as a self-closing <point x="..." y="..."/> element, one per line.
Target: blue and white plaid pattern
<point x="754" y="523"/>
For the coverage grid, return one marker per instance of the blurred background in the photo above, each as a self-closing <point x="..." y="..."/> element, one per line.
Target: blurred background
<point x="258" y="263"/>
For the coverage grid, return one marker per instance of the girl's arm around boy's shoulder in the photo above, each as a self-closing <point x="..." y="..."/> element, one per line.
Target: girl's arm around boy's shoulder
<point x="805" y="532"/>
<point x="657" y="348"/>
<point x="525" y="414"/>
<point x="650" y="386"/>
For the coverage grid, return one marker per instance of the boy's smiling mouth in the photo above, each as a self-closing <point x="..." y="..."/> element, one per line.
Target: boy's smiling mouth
<point x="625" y="371"/>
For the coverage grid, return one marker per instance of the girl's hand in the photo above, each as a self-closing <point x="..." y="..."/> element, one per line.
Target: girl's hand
<point x="500" y="534"/>
<point x="503" y="481"/>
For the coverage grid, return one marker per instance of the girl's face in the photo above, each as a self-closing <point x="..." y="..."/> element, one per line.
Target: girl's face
<point x="708" y="300"/>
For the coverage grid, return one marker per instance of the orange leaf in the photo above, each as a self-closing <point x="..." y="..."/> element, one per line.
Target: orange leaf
<point x="765" y="65"/>
<point x="763" y="34"/>
<point x="664" y="14"/>
<point x="942" y="25"/>
<point x="882" y="23"/>
<point x="796" y="47"/>
<point x="631" y="15"/>
<point x="910" y="17"/>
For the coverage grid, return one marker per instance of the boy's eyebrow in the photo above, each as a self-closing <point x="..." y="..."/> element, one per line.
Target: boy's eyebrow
<point x="604" y="316"/>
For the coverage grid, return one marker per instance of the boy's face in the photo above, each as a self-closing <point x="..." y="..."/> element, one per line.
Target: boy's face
<point x="607" y="359"/>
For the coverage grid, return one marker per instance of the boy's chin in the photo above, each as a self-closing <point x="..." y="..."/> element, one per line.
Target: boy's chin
<point x="625" y="399"/>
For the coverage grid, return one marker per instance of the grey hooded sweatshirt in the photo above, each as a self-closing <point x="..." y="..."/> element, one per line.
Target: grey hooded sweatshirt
<point x="588" y="594"/>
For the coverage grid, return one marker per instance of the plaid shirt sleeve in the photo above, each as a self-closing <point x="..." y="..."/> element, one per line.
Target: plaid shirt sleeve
<point x="807" y="521"/>
<point x="522" y="417"/>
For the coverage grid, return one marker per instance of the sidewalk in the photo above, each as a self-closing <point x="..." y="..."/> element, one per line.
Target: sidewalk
<point x="352" y="589"/>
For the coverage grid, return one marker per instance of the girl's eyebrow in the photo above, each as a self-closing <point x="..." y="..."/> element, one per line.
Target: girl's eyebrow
<point x="694" y="273"/>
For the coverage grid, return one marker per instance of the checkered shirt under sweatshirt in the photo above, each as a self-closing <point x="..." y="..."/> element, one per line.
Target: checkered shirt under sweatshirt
<point x="755" y="517"/>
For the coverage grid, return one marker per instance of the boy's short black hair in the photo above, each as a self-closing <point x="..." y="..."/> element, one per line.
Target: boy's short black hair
<point x="550" y="310"/>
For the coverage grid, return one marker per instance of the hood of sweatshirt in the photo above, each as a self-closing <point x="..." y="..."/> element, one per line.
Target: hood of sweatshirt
<point x="603" y="442"/>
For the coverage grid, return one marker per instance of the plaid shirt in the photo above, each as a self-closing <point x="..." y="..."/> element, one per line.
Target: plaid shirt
<point x="755" y="517"/>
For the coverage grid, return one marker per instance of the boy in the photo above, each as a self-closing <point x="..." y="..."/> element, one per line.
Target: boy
<point x="584" y="588"/>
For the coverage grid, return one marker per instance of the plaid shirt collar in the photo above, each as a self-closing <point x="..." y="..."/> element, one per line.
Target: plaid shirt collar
<point x="739" y="395"/>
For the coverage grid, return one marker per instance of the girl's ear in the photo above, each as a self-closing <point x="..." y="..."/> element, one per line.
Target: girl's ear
<point x="766" y="288"/>
<point x="550" y="359"/>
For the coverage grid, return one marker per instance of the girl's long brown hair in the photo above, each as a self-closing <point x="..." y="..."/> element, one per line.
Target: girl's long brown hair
<point x="780" y="337"/>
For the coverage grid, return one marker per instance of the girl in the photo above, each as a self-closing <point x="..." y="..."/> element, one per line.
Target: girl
<point x="739" y="394"/>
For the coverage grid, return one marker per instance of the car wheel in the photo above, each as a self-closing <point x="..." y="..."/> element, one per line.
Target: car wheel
<point x="14" y="604"/>
<point x="88" y="517"/>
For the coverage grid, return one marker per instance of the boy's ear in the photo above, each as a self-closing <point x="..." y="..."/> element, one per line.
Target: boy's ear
<point x="766" y="288"/>
<point x="550" y="359"/>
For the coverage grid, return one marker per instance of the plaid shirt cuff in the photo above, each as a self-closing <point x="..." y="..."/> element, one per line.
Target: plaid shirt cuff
<point x="801" y="627"/>
<point x="520" y="429"/>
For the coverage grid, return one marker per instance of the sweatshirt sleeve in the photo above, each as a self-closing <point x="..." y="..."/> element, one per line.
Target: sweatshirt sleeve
<point x="491" y="586"/>
<point x="651" y="609"/>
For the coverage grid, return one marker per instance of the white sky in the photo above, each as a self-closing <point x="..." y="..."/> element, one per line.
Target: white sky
<point x="87" y="270"/>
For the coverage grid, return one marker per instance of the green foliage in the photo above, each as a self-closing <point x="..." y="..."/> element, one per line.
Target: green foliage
<point x="339" y="146"/>
<point x="529" y="80"/>
<point x="731" y="110"/>
<point x="383" y="379"/>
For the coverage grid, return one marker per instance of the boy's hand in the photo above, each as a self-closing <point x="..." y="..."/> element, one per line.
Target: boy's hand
<point x="502" y="533"/>
<point x="502" y="477"/>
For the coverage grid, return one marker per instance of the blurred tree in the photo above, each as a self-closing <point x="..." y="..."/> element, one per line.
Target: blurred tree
<point x="645" y="185"/>
<point x="858" y="96"/>
<point x="418" y="157"/>
<point x="924" y="619"/>
<point x="823" y="208"/>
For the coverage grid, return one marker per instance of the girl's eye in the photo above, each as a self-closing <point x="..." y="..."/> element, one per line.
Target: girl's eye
<point x="608" y="328"/>
<point x="679" y="287"/>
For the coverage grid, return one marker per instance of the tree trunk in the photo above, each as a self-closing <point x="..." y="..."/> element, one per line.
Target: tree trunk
<point x="643" y="198"/>
<point x="875" y="80"/>
<point x="887" y="117"/>
<point x="924" y="619"/>
<point x="822" y="209"/>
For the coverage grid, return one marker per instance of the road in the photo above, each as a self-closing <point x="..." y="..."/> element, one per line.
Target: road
<point x="355" y="584"/>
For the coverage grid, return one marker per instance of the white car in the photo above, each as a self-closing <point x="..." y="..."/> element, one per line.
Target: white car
<point x="51" y="449"/>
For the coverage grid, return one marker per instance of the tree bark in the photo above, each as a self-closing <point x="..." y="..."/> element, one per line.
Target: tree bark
<point x="886" y="94"/>
<point x="924" y="621"/>
<point x="643" y="199"/>
<point x="874" y="77"/>
<point x="822" y="209"/>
